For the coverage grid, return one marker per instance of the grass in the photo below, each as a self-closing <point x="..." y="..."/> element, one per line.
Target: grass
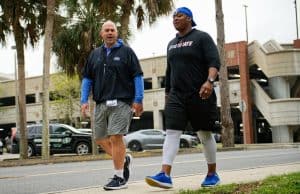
<point x="284" y="184"/>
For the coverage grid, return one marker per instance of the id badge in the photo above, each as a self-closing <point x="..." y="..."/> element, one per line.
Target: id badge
<point x="111" y="103"/>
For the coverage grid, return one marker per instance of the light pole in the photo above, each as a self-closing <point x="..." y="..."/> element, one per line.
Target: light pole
<point x="296" y="18"/>
<point x="245" y="6"/>
<point x="16" y="86"/>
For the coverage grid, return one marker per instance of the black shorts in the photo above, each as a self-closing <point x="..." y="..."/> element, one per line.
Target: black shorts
<point x="181" y="109"/>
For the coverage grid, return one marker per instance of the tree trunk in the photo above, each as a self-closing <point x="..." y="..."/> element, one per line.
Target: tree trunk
<point x="46" y="77"/>
<point x="125" y="22"/>
<point x="227" y="123"/>
<point x="19" y="40"/>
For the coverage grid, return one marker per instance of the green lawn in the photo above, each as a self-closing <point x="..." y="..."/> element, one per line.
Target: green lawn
<point x="284" y="184"/>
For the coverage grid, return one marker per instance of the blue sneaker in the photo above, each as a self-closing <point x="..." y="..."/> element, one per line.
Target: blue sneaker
<point x="211" y="180"/>
<point x="160" y="180"/>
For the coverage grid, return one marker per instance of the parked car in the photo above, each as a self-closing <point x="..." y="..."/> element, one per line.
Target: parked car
<point x="154" y="138"/>
<point x="63" y="139"/>
<point x="1" y="147"/>
<point x="1" y="142"/>
<point x="218" y="137"/>
<point x="9" y="140"/>
<point x="85" y="130"/>
<point x="192" y="133"/>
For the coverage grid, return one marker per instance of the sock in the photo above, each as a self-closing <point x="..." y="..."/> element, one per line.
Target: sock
<point x="119" y="173"/>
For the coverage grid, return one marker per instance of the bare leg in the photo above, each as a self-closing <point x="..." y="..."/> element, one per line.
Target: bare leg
<point x="105" y="145"/>
<point x="166" y="169"/>
<point x="118" y="151"/>
<point x="211" y="169"/>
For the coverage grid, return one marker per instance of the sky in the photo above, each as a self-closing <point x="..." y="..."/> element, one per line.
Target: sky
<point x="266" y="20"/>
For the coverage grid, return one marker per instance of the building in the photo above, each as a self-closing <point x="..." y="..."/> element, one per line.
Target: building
<point x="4" y="77"/>
<point x="264" y="84"/>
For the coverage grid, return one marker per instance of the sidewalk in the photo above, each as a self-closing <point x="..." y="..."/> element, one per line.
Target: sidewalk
<point x="194" y="181"/>
<point x="7" y="156"/>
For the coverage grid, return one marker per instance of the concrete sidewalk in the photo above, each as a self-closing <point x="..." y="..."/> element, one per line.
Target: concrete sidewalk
<point x="194" y="181"/>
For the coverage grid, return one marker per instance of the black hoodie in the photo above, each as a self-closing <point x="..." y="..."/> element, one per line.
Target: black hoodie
<point x="188" y="60"/>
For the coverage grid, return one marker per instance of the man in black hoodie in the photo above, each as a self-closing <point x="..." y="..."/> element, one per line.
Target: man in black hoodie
<point x="192" y="67"/>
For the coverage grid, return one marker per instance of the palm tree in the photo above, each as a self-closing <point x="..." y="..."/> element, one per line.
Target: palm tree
<point x="24" y="20"/>
<point x="227" y="123"/>
<point x="46" y="76"/>
<point x="146" y="11"/>
<point x="80" y="35"/>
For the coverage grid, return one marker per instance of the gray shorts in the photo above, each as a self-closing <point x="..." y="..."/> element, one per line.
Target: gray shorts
<point x="112" y="120"/>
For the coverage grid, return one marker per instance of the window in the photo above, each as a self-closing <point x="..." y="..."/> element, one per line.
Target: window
<point x="35" y="130"/>
<point x="60" y="130"/>
<point x="230" y="54"/>
<point x="153" y="132"/>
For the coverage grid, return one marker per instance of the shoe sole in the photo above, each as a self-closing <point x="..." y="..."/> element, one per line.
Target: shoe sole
<point x="114" y="188"/>
<point x="155" y="183"/>
<point x="129" y="165"/>
<point x="211" y="185"/>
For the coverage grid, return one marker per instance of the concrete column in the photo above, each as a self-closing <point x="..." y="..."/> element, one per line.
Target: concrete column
<point x="157" y="119"/>
<point x="280" y="88"/>
<point x="159" y="82"/>
<point x="155" y="83"/>
<point x="282" y="134"/>
<point x="37" y="97"/>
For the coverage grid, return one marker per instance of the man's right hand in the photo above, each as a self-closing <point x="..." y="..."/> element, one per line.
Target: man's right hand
<point x="137" y="108"/>
<point x="84" y="109"/>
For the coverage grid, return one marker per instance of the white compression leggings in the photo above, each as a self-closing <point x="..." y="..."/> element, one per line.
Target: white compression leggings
<point x="171" y="146"/>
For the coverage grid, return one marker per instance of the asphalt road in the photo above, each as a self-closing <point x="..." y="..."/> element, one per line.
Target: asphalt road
<point x="58" y="177"/>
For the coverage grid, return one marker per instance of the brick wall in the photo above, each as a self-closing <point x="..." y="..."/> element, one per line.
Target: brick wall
<point x="236" y="53"/>
<point x="297" y="43"/>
